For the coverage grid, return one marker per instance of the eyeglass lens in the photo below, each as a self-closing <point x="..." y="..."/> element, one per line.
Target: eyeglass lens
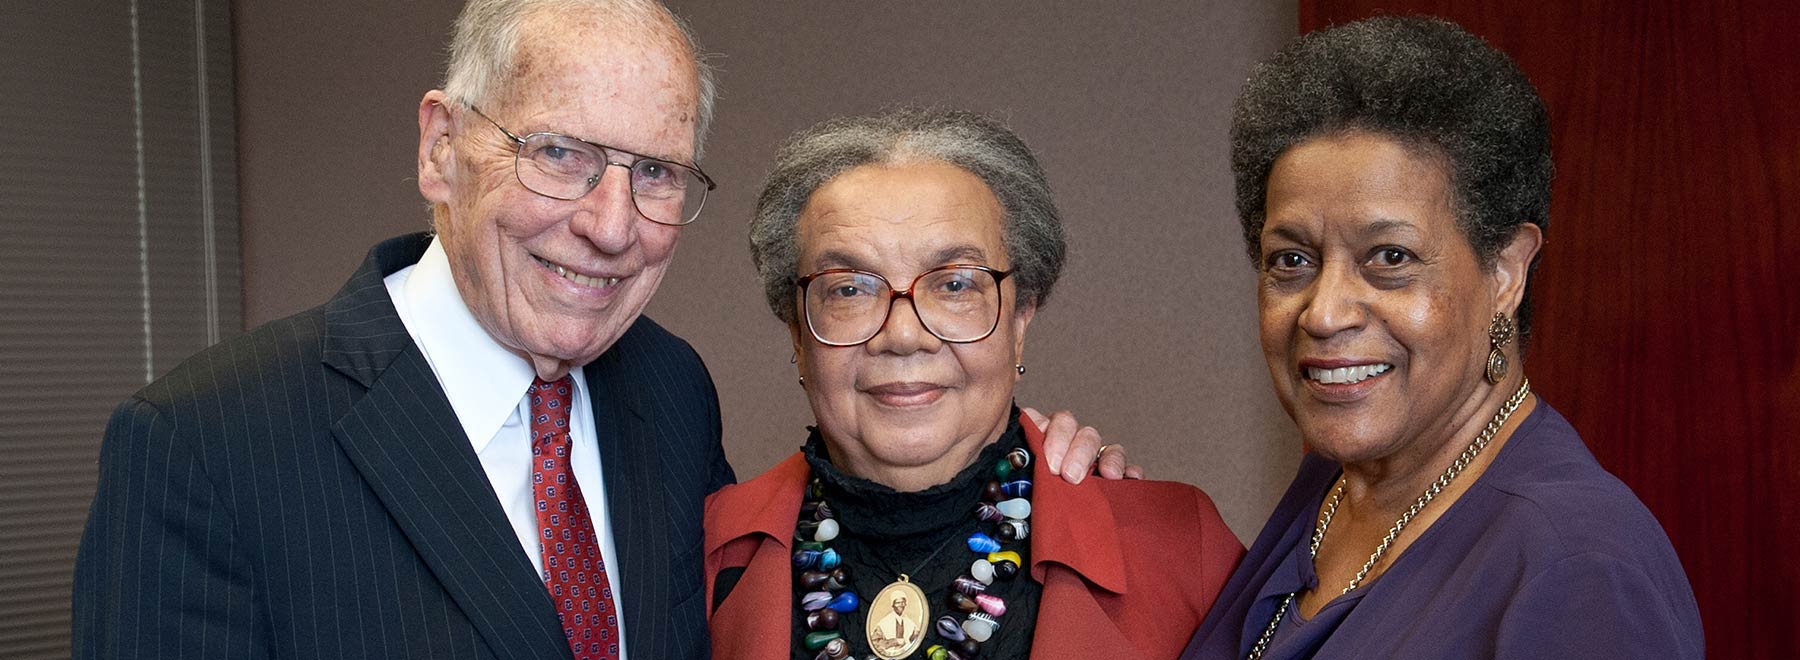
<point x="566" y="168"/>
<point x="956" y="304"/>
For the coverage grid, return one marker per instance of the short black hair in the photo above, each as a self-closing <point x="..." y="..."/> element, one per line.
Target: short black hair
<point x="1427" y="84"/>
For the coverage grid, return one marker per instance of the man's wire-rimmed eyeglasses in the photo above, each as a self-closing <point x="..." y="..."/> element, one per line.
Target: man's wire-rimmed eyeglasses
<point x="563" y="167"/>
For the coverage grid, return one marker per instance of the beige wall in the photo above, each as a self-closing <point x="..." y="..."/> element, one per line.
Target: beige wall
<point x="1151" y="335"/>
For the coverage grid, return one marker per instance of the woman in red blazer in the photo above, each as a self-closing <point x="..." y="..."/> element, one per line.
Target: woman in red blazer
<point x="915" y="522"/>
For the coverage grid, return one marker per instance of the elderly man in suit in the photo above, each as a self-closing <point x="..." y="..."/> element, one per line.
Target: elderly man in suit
<point x="478" y="448"/>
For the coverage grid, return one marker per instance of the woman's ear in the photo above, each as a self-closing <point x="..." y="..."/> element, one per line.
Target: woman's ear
<point x="436" y="151"/>
<point x="796" y="335"/>
<point x="1513" y="265"/>
<point x="1021" y="321"/>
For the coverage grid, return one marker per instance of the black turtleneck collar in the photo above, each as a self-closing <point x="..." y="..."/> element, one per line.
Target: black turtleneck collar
<point x="877" y="512"/>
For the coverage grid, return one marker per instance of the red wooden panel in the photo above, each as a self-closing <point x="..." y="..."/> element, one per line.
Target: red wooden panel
<point x="1668" y="308"/>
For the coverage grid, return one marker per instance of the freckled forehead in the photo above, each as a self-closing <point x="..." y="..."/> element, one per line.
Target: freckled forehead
<point x="627" y="83"/>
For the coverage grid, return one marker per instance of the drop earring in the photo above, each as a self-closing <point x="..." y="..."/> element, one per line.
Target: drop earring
<point x="1500" y="333"/>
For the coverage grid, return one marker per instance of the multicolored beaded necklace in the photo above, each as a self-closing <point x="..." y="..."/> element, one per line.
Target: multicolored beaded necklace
<point x="818" y="570"/>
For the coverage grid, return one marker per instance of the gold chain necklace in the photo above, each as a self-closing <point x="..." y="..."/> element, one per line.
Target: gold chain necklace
<point x="1456" y="468"/>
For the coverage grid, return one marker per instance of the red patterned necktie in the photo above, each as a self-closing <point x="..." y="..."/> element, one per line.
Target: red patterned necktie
<point x="573" y="569"/>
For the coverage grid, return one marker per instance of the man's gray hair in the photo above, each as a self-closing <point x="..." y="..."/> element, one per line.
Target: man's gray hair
<point x="1032" y="228"/>
<point x="485" y="47"/>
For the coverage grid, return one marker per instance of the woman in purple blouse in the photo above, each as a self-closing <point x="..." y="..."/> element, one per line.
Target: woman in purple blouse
<point x="1393" y="181"/>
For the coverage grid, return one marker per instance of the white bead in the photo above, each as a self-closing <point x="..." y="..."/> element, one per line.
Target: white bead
<point x="978" y="628"/>
<point x="828" y="530"/>
<point x="1017" y="508"/>
<point x="983" y="571"/>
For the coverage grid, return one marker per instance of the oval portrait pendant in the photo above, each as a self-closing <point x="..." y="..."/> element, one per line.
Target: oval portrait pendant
<point x="896" y="621"/>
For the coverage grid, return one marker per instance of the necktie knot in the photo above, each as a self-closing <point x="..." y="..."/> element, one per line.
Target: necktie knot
<point x="550" y="408"/>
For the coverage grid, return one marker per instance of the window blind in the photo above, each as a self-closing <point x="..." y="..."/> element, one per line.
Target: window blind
<point x="118" y="257"/>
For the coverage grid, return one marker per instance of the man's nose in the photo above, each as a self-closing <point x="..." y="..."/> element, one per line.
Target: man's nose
<point x="607" y="216"/>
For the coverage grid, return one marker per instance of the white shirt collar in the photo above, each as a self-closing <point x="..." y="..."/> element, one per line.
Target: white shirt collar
<point x="483" y="380"/>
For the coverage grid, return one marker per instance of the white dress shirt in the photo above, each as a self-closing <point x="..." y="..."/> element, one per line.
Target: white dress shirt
<point x="486" y="386"/>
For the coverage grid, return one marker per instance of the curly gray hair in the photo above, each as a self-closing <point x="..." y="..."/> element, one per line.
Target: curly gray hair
<point x="1429" y="85"/>
<point x="981" y="145"/>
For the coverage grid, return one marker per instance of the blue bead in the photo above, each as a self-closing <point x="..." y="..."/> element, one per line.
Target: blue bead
<point x="845" y="602"/>
<point x="805" y="559"/>
<point x="979" y="542"/>
<point x="1020" y="488"/>
<point x="829" y="559"/>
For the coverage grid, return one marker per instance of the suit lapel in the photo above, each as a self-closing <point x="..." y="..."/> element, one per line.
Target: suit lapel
<point x="635" y="505"/>
<point x="402" y="437"/>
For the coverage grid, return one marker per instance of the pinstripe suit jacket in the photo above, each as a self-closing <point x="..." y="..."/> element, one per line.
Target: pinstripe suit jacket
<point x="305" y="491"/>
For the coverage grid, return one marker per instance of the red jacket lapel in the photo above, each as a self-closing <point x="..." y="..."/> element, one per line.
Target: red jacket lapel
<point x="1075" y="552"/>
<point x="751" y="525"/>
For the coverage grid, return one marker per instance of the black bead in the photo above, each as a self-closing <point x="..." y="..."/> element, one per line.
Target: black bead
<point x="1006" y="570"/>
<point x="1014" y="530"/>
<point x="837" y="579"/>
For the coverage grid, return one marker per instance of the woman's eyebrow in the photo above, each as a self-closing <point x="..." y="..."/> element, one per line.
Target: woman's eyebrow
<point x="965" y="253"/>
<point x="1386" y="227"/>
<point x="840" y="259"/>
<point x="962" y="253"/>
<point x="1291" y="233"/>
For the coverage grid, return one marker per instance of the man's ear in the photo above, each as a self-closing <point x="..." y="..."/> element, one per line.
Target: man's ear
<point x="1513" y="265"/>
<point x="436" y="151"/>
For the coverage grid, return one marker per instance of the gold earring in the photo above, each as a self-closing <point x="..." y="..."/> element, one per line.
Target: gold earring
<point x="1500" y="333"/>
<point x="1021" y="368"/>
